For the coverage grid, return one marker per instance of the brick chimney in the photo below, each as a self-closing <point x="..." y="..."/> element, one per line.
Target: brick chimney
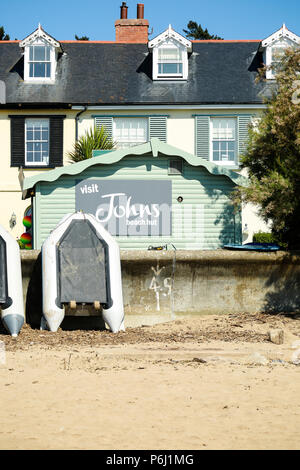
<point x="132" y="31"/>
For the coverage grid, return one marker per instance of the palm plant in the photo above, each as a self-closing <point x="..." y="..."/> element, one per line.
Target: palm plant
<point x="93" y="139"/>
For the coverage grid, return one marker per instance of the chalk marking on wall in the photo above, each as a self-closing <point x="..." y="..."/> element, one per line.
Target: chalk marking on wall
<point x="159" y="285"/>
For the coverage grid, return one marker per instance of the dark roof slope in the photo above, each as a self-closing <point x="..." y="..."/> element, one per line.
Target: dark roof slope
<point x="116" y="74"/>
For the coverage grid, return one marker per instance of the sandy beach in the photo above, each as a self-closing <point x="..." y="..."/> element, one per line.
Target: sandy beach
<point x="203" y="382"/>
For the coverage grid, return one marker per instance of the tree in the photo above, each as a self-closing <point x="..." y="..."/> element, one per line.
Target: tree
<point x="83" y="38"/>
<point x="272" y="156"/>
<point x="3" y="36"/>
<point x="195" y="31"/>
<point x="94" y="139"/>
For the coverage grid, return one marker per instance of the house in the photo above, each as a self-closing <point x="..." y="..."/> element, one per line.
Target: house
<point x="196" y="96"/>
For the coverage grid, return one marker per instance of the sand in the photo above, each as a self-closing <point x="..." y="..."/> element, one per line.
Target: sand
<point x="204" y="382"/>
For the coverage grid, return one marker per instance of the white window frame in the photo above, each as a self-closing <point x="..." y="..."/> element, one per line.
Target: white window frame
<point x="282" y="44"/>
<point x="52" y="61"/>
<point x="231" y="163"/>
<point x="170" y="44"/>
<point x="37" y="121"/>
<point x="133" y="142"/>
<point x="177" y="62"/>
<point x="281" y="38"/>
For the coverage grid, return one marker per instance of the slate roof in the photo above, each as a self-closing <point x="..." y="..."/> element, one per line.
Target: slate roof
<point x="88" y="73"/>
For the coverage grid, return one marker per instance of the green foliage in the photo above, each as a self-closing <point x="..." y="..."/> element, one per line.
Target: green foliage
<point x="195" y="31"/>
<point x="266" y="237"/>
<point x="272" y="157"/>
<point x="94" y="139"/>
<point x="83" y="38"/>
<point x="3" y="36"/>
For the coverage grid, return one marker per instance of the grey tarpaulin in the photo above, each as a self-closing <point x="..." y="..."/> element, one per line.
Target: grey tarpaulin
<point x="3" y="272"/>
<point x="83" y="270"/>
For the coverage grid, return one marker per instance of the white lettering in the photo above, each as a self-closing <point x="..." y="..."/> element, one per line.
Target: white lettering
<point x="111" y="207"/>
<point x="130" y="209"/>
<point x="89" y="189"/>
<point x="156" y="210"/>
<point x="117" y="460"/>
<point x="119" y="210"/>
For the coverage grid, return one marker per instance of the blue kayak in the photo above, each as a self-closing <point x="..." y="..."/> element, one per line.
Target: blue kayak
<point x="253" y="247"/>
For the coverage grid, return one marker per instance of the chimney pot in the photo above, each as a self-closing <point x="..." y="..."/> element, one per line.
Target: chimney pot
<point x="140" y="11"/>
<point x="134" y="30"/>
<point x="124" y="9"/>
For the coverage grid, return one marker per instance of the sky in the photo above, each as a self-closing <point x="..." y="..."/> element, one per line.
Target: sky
<point x="230" y="19"/>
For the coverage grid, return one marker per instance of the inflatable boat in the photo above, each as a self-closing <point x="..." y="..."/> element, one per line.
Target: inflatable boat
<point x="253" y="247"/>
<point x="11" y="289"/>
<point x="81" y="266"/>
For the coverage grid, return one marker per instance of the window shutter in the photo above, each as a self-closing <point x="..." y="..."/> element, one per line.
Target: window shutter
<point x="17" y="124"/>
<point x="56" y="141"/>
<point x="243" y="132"/>
<point x="158" y="127"/>
<point x="105" y="121"/>
<point x="202" y="137"/>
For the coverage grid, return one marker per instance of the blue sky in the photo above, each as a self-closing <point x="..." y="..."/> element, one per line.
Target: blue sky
<point x="230" y="19"/>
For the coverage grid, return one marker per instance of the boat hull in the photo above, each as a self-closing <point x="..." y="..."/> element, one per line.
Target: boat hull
<point x="53" y="308"/>
<point x="11" y="301"/>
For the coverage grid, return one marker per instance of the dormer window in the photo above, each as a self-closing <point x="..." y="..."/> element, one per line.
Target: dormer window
<point x="274" y="48"/>
<point x="274" y="56"/>
<point x="170" y="56"/>
<point x="40" y="56"/>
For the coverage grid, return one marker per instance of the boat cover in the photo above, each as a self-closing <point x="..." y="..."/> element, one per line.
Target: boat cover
<point x="83" y="269"/>
<point x="3" y="272"/>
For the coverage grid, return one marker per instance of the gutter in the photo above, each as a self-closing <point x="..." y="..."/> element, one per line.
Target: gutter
<point x="168" y="106"/>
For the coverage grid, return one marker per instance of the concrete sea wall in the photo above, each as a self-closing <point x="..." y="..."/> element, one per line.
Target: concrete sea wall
<point x="163" y="285"/>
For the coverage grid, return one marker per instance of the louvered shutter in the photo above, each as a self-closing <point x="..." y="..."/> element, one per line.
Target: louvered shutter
<point x="158" y="127"/>
<point x="243" y="132"/>
<point x="56" y="141"/>
<point x="17" y="124"/>
<point x="202" y="137"/>
<point x="105" y="121"/>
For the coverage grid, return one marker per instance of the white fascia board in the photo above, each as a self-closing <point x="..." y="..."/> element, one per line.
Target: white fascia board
<point x="170" y="34"/>
<point x="173" y="107"/>
<point x="39" y="33"/>
<point x="283" y="32"/>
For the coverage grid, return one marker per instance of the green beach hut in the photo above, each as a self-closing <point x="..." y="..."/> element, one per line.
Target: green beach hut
<point x="150" y="195"/>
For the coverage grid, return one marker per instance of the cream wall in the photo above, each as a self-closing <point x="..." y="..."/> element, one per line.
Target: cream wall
<point x="252" y="223"/>
<point x="180" y="123"/>
<point x="10" y="191"/>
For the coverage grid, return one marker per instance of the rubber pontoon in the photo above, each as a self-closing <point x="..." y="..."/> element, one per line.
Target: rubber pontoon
<point x="81" y="265"/>
<point x="253" y="247"/>
<point x="11" y="289"/>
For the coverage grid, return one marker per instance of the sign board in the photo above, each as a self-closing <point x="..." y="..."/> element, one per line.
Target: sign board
<point x="128" y="207"/>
